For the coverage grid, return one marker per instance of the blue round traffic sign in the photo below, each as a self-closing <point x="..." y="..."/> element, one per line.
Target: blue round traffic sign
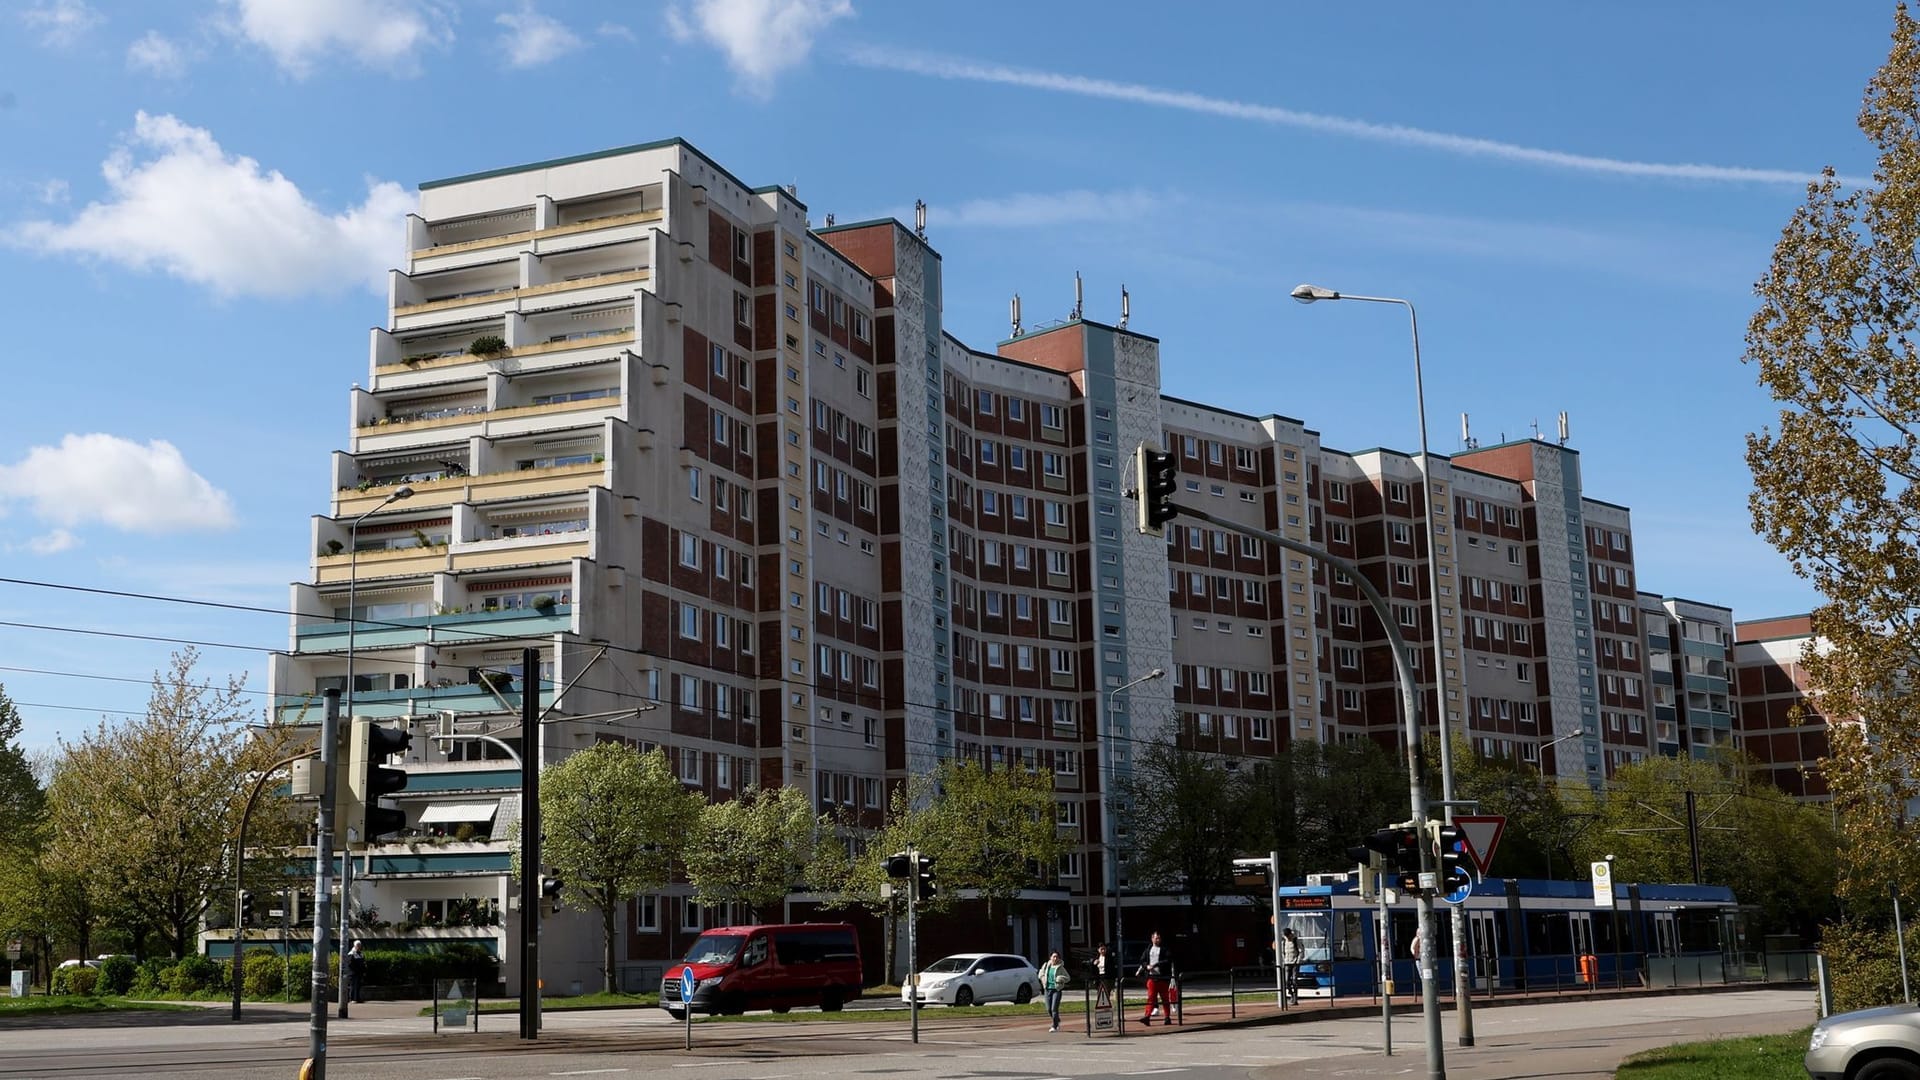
<point x="1459" y="885"/>
<point x="687" y="983"/>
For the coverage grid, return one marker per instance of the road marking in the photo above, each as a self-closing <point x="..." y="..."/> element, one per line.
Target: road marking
<point x="1152" y="1072"/>
<point x="697" y="1064"/>
<point x="586" y="1072"/>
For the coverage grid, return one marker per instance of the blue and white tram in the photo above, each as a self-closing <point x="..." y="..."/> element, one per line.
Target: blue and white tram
<point x="1525" y="934"/>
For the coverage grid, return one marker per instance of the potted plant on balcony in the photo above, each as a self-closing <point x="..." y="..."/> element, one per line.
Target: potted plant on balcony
<point x="335" y="547"/>
<point x="488" y="345"/>
<point x="544" y="603"/>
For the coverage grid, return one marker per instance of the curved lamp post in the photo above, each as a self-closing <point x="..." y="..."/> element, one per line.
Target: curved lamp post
<point x="1113" y="851"/>
<point x="1309" y="294"/>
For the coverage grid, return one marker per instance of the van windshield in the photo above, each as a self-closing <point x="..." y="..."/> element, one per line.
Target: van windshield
<point x="714" y="949"/>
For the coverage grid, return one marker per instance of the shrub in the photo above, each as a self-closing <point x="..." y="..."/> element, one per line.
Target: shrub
<point x="264" y="974"/>
<point x="487" y="345"/>
<point x="150" y="977"/>
<point x="1863" y="961"/>
<point x="116" y="975"/>
<point x="78" y="979"/>
<point x="194" y="974"/>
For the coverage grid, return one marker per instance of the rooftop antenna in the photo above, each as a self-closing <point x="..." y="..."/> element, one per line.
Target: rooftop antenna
<point x="920" y="218"/>
<point x="1563" y="427"/>
<point x="1013" y="310"/>
<point x="793" y="190"/>
<point x="1078" y="295"/>
<point x="1535" y="425"/>
<point x="1126" y="307"/>
<point x="1466" y="433"/>
<point x="829" y="220"/>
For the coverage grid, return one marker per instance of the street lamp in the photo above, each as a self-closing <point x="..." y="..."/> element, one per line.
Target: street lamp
<point x="353" y="619"/>
<point x="1111" y="753"/>
<point x="1308" y="294"/>
<point x="1613" y="922"/>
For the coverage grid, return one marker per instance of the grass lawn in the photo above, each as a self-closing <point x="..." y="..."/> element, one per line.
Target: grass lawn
<point x="76" y="1003"/>
<point x="1761" y="1057"/>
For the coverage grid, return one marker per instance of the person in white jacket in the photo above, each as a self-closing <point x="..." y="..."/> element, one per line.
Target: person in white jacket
<point x="1291" y="954"/>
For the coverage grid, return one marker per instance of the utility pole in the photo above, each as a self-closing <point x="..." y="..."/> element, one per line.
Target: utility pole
<point x="1693" y="834"/>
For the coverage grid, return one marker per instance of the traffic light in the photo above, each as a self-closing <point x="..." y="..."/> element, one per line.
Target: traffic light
<point x="923" y="881"/>
<point x="1450" y="851"/>
<point x="1399" y="849"/>
<point x="896" y="865"/>
<point x="550" y="886"/>
<point x="368" y="780"/>
<point x="1157" y="475"/>
<point x="246" y="909"/>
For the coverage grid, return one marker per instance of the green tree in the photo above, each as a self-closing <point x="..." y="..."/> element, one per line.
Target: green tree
<point x="144" y="813"/>
<point x="1541" y="827"/>
<point x="1776" y="853"/>
<point x="21" y="797"/>
<point x="1185" y="813"/>
<point x="1314" y="801"/>
<point x="1834" y="342"/>
<point x="613" y="822"/>
<point x="996" y="832"/>
<point x="753" y="849"/>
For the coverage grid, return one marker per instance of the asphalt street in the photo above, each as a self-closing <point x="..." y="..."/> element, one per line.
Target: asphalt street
<point x="1572" y="1039"/>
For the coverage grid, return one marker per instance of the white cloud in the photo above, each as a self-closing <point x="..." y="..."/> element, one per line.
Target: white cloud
<point x="155" y="54"/>
<point x="116" y="482"/>
<point x="179" y="203"/>
<point x="1445" y="142"/>
<point x="61" y="23"/>
<point x="760" y="37"/>
<point x="386" y="34"/>
<point x="53" y="192"/>
<point x="616" y="30"/>
<point x="532" y="39"/>
<point x="1030" y="210"/>
<point x="53" y="543"/>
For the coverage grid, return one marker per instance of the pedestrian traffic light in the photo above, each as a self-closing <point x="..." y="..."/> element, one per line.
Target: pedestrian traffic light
<point x="896" y="865"/>
<point x="1157" y="475"/>
<point x="923" y="881"/>
<point x="368" y="780"/>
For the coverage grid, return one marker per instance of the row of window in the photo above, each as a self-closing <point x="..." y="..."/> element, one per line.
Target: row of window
<point x="990" y="403"/>
<point x="842" y="485"/>
<point x="1203" y="677"/>
<point x="1229" y="726"/>
<point x="831" y="421"/>
<point x="1016" y="457"/>
<point x="1251" y="591"/>
<point x="725" y="564"/>
<point x="698" y="624"/>
<point x="1471" y="509"/>
<point x="1195" y="448"/>
<point x="1057" y="661"/>
<point x="841" y="312"/>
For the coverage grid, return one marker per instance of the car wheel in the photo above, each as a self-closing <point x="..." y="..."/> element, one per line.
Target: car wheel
<point x="963" y="997"/>
<point x="831" y="1001"/>
<point x="1024" y="994"/>
<point x="1888" y="1069"/>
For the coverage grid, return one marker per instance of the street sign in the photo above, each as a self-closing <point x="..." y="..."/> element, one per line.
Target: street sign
<point x="1459" y="885"/>
<point x="1480" y="834"/>
<point x="688" y="984"/>
<point x="14" y="948"/>
<point x="1602" y="873"/>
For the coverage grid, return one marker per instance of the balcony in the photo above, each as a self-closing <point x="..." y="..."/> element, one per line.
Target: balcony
<point x="481" y="417"/>
<point x="452" y="628"/>
<point x="484" y="487"/>
<point x="429" y="363"/>
<point x="504" y="239"/>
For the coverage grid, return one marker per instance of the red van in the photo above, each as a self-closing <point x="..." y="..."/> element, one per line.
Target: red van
<point x="768" y="967"/>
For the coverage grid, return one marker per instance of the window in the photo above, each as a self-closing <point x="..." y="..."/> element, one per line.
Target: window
<point x="1402" y="532"/>
<point x="1396" y="491"/>
<point x="1340" y="533"/>
<point x="742" y="309"/>
<point x="690" y="551"/>
<point x="693" y="484"/>
<point x="1349" y="701"/>
<point x="646" y="914"/>
<point x="689" y="622"/>
<point x="983" y="402"/>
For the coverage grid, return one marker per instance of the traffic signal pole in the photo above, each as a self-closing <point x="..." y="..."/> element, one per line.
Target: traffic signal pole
<point x="322" y="885"/>
<point x="530" y="845"/>
<point x="1416" y="787"/>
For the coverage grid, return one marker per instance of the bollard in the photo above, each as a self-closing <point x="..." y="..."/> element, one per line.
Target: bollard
<point x="1233" y="996"/>
<point x="1825" y="984"/>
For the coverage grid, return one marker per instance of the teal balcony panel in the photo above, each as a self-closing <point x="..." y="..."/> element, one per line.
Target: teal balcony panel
<point x="453" y="628"/>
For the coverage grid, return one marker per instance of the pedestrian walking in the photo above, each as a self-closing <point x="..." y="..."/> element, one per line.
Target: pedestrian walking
<point x="1158" y="968"/>
<point x="356" y="975"/>
<point x="1053" y="981"/>
<point x="1290" y="956"/>
<point x="1103" y="969"/>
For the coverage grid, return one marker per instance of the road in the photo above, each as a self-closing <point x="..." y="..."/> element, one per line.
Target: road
<point x="1580" y="1039"/>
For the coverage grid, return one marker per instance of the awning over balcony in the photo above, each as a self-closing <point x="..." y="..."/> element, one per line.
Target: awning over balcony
<point x="452" y="813"/>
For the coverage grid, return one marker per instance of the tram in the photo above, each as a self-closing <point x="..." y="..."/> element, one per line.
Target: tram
<point x="1524" y="933"/>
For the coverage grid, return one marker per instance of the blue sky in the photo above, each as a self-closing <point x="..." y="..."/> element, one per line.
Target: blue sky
<point x="200" y="198"/>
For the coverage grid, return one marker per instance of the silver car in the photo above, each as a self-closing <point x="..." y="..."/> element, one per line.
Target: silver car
<point x="975" y="978"/>
<point x="1871" y="1044"/>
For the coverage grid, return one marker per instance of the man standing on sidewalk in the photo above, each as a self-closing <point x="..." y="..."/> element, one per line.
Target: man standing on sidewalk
<point x="1158" y="969"/>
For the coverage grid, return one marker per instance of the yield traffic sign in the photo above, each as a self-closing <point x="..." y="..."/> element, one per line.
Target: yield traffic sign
<point x="1480" y="835"/>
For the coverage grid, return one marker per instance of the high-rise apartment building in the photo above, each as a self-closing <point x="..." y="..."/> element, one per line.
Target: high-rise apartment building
<point x="731" y="476"/>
